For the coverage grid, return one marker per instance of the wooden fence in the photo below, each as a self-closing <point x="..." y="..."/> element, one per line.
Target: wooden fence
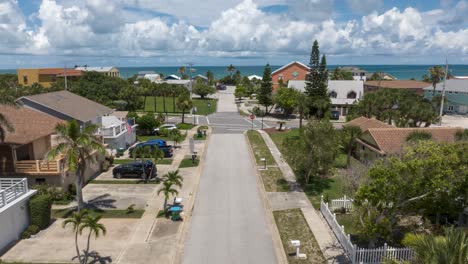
<point x="355" y="253"/>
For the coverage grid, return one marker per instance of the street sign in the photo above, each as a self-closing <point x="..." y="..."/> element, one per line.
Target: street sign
<point x="252" y="117"/>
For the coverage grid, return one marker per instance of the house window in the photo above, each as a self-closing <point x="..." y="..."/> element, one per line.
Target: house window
<point x="333" y="94"/>
<point x="40" y="181"/>
<point x="280" y="77"/>
<point x="450" y="108"/>
<point x="351" y="95"/>
<point x="25" y="79"/>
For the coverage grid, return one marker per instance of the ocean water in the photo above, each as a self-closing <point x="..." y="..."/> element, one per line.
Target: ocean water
<point x="402" y="72"/>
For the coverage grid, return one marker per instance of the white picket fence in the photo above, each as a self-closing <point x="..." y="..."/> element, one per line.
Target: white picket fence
<point x="344" y="202"/>
<point x="356" y="254"/>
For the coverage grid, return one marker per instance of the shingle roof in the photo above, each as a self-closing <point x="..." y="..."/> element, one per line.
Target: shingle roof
<point x="453" y="85"/>
<point x="70" y="104"/>
<point x="289" y="64"/>
<point x="28" y="124"/>
<point x="366" y="123"/>
<point x="399" y="84"/>
<point x="392" y="140"/>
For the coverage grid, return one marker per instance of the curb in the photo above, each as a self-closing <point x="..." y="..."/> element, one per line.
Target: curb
<point x="185" y="226"/>
<point x="277" y="244"/>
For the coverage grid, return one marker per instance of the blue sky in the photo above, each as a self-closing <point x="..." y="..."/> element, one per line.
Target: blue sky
<point x="43" y="33"/>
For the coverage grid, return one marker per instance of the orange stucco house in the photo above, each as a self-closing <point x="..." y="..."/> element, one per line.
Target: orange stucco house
<point x="292" y="71"/>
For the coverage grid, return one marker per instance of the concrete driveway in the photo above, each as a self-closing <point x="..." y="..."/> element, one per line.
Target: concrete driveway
<point x="57" y="245"/>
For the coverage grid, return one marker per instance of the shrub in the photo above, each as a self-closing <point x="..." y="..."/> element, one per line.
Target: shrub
<point x="31" y="230"/>
<point x="131" y="209"/>
<point x="40" y="210"/>
<point x="110" y="159"/>
<point x="184" y="126"/>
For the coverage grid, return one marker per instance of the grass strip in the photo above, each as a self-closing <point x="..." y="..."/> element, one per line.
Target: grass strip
<point x="188" y="163"/>
<point x="122" y="182"/>
<point x="293" y="226"/>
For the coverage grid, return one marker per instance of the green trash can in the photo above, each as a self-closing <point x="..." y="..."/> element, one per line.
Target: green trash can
<point x="120" y="151"/>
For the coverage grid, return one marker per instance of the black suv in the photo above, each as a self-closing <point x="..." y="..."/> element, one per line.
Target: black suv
<point x="140" y="169"/>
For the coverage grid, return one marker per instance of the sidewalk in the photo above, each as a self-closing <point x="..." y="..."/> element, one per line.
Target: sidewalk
<point x="157" y="240"/>
<point x="330" y="247"/>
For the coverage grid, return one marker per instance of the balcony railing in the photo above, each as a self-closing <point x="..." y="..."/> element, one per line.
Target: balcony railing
<point x="37" y="167"/>
<point x="10" y="189"/>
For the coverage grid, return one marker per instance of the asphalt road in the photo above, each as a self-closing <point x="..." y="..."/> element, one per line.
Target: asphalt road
<point x="229" y="223"/>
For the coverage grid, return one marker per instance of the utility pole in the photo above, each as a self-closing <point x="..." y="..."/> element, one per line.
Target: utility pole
<point x="65" y="73"/>
<point x="443" y="93"/>
<point x="190" y="64"/>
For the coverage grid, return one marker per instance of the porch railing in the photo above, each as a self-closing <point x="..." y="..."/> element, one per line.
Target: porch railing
<point x="37" y="166"/>
<point x="10" y="189"/>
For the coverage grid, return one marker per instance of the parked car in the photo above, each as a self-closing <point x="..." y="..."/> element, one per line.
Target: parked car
<point x="221" y="87"/>
<point x="165" y="126"/>
<point x="335" y="115"/>
<point x="138" y="169"/>
<point x="167" y="149"/>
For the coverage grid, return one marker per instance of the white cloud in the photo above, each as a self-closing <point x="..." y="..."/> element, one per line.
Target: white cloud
<point x="91" y="28"/>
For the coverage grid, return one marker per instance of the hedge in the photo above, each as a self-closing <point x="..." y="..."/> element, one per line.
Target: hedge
<point x="40" y="210"/>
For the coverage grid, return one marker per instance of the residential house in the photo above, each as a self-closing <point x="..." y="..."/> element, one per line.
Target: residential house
<point x="67" y="106"/>
<point x="409" y="85"/>
<point x="358" y="74"/>
<point x="45" y="77"/>
<point x="202" y="78"/>
<point x="141" y="74"/>
<point x="14" y="213"/>
<point x="23" y="152"/>
<point x="380" y="139"/>
<point x="185" y="83"/>
<point x="252" y="77"/>
<point x="293" y="71"/>
<point x="108" y="70"/>
<point x="172" y="77"/>
<point x="456" y="92"/>
<point x="342" y="93"/>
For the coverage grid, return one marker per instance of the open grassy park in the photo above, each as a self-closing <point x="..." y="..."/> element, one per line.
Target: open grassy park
<point x="168" y="104"/>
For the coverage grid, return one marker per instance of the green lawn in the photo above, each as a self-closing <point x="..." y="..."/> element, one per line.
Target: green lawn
<point x="187" y="163"/>
<point x="328" y="187"/>
<point x="272" y="178"/>
<point x="168" y="139"/>
<point x="196" y="137"/>
<point x="200" y="104"/>
<point x="124" y="161"/>
<point x="293" y="226"/>
<point x="111" y="213"/>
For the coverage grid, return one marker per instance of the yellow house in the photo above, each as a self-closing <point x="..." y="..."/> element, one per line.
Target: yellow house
<point x="45" y="77"/>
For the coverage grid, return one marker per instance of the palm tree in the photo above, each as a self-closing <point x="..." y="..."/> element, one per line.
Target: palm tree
<point x="436" y="74"/>
<point x="167" y="190"/>
<point x="351" y="133"/>
<point x="76" y="221"/>
<point x="176" y="136"/>
<point x="302" y="107"/>
<point x="184" y="103"/>
<point x="5" y="126"/>
<point x="148" y="152"/>
<point x="78" y="146"/>
<point x="430" y="249"/>
<point x="231" y="69"/>
<point x="174" y="177"/>
<point x="96" y="228"/>
<point x="181" y="70"/>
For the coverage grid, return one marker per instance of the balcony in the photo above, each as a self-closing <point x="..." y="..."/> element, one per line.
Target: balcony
<point x="37" y="167"/>
<point x="11" y="189"/>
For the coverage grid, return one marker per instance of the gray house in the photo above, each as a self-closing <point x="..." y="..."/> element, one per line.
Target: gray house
<point x="68" y="106"/>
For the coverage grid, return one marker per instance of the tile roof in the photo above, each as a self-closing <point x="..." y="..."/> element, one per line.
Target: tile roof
<point x="28" y="124"/>
<point x="70" y="104"/>
<point x="366" y="123"/>
<point x="393" y="140"/>
<point x="398" y="84"/>
<point x="60" y="72"/>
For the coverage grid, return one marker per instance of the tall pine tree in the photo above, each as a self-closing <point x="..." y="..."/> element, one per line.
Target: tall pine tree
<point x="265" y="94"/>
<point x="317" y="83"/>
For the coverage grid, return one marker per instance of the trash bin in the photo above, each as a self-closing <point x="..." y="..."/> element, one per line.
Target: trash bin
<point x="199" y="133"/>
<point x="120" y="151"/>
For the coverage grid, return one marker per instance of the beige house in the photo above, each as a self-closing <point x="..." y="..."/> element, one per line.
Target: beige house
<point x="23" y="152"/>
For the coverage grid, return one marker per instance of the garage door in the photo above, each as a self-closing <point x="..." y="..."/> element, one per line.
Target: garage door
<point x="463" y="109"/>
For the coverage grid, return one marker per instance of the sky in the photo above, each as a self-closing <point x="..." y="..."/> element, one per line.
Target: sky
<point x="53" y="33"/>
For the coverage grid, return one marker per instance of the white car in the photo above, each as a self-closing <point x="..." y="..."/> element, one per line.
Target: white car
<point x="165" y="126"/>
